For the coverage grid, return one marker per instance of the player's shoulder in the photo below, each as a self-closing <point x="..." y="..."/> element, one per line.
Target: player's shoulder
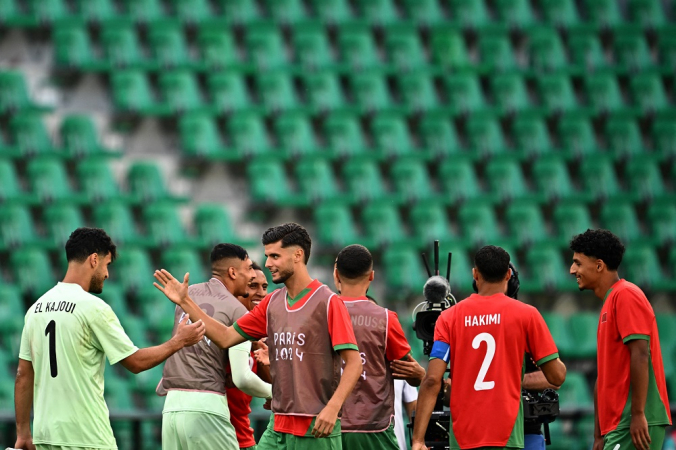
<point x="627" y="288"/>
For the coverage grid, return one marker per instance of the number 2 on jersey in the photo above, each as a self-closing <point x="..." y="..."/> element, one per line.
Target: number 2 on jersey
<point x="480" y="384"/>
<point x="51" y="331"/>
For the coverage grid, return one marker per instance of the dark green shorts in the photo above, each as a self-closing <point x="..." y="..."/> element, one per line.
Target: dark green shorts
<point x="273" y="440"/>
<point x="621" y="439"/>
<point x="383" y="440"/>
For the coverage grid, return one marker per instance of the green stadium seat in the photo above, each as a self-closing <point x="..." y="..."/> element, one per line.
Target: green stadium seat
<point x="60" y="221"/>
<point x="526" y="223"/>
<point x="548" y="272"/>
<point x="335" y="225"/>
<point x="495" y="53"/>
<point x="404" y="49"/>
<point x="14" y="93"/>
<point x="583" y="328"/>
<point x="645" y="178"/>
<point x="200" y="137"/>
<point x="343" y="134"/>
<point x="145" y="382"/>
<point x="144" y="11"/>
<point x="118" y="396"/>
<point x="604" y="13"/>
<point x="516" y="13"/>
<point x="647" y="13"/>
<point x="390" y="135"/>
<point x="447" y="48"/>
<point x="213" y="225"/>
<point x="323" y="91"/>
<point x="560" y="13"/>
<point x="295" y="134"/>
<point x="404" y="273"/>
<point x="458" y="180"/>
<point x="666" y="45"/>
<point x="96" y="180"/>
<point x="530" y="136"/>
<point x="29" y="134"/>
<point x="133" y="269"/>
<point x="507" y="181"/>
<point x="10" y="306"/>
<point x="316" y="180"/>
<point x="571" y="218"/>
<point x="332" y="11"/>
<point x="558" y="327"/>
<point x="363" y="179"/>
<point x="382" y="225"/>
<point x="478" y="223"/>
<point x="11" y="14"/>
<point x="117" y="220"/>
<point x="265" y="47"/>
<point x="32" y="271"/>
<point x="631" y="50"/>
<point x="484" y="135"/>
<point x="248" y="134"/>
<point x="666" y="326"/>
<point x="357" y="47"/>
<point x="265" y="172"/>
<point x="79" y="137"/>
<point x="163" y="225"/>
<point x="584" y="47"/>
<point x="620" y="216"/>
<point x="471" y="14"/>
<point x="641" y="265"/>
<point x="423" y="12"/>
<point x="239" y="11"/>
<point x="663" y="135"/>
<point x="556" y="92"/>
<point x="662" y="219"/>
<point x="552" y="178"/>
<point x="286" y="11"/>
<point x="277" y="92"/>
<point x="131" y="92"/>
<point x="463" y="93"/>
<point x="113" y="295"/>
<point x="546" y="51"/>
<point x="603" y="93"/>
<point x="576" y="136"/>
<point x="136" y="328"/>
<point x="510" y="93"/>
<point x="193" y="12"/>
<point x="180" y="91"/>
<point x="182" y="261"/>
<point x="72" y="47"/>
<point x="461" y="268"/>
<point x="121" y="46"/>
<point x="429" y="221"/>
<point x="146" y="182"/>
<point x="168" y="47"/>
<point x="217" y="49"/>
<point x="598" y="176"/>
<point x="48" y="11"/>
<point x="623" y="136"/>
<point x="370" y="90"/>
<point x="437" y="135"/>
<point x="648" y="93"/>
<point x="49" y="181"/>
<point x="312" y="47"/>
<point x="10" y="188"/>
<point x="575" y="393"/>
<point x="377" y="12"/>
<point x="16" y="227"/>
<point x="412" y="180"/>
<point x="228" y="92"/>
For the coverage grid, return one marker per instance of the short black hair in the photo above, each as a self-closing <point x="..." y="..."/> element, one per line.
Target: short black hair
<point x="492" y="263"/>
<point x="86" y="241"/>
<point x="290" y="234"/>
<point x="224" y="251"/>
<point x="255" y="266"/>
<point x="354" y="261"/>
<point x="599" y="244"/>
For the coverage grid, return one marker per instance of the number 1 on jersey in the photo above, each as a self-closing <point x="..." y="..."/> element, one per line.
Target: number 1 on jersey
<point x="51" y="331"/>
<point x="480" y="384"/>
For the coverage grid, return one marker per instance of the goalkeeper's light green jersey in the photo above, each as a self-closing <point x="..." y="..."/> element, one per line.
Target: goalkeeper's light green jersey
<point x="67" y="335"/>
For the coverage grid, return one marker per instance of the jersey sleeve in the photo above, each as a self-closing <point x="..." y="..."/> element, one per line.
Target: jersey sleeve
<point x="634" y="316"/>
<point x="254" y="324"/>
<point x="397" y="344"/>
<point x="340" y="326"/>
<point x="25" y="349"/>
<point x="110" y="337"/>
<point x="540" y="341"/>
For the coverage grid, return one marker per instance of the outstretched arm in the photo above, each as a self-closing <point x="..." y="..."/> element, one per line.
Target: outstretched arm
<point x="245" y="380"/>
<point x="427" y="397"/>
<point x="23" y="401"/>
<point x="408" y="369"/>
<point x="221" y="335"/>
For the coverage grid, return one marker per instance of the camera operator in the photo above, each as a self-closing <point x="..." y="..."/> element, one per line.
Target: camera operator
<point x="486" y="378"/>
<point x="534" y="381"/>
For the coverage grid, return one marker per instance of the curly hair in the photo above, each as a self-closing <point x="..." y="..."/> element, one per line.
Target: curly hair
<point x="86" y="241"/>
<point x="600" y="244"/>
<point x="290" y="234"/>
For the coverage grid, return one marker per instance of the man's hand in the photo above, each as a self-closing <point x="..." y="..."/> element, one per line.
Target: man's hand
<point x="268" y="404"/>
<point x="407" y="369"/>
<point x="24" y="443"/>
<point x="174" y="290"/>
<point x="187" y="335"/>
<point x="639" y="432"/>
<point x="325" y="421"/>
<point x="598" y="443"/>
<point x="261" y="353"/>
<point x="419" y="446"/>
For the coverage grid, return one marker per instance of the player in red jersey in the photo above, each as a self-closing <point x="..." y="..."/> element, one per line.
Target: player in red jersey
<point x="630" y="398"/>
<point x="485" y="338"/>
<point x="309" y="332"/>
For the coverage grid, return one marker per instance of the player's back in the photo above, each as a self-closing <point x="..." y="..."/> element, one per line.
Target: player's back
<point x="67" y="335"/>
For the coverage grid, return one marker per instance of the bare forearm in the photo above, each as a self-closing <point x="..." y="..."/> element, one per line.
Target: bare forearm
<point x="221" y="335"/>
<point x="348" y="379"/>
<point x="427" y="397"/>
<point x="264" y="372"/>
<point x="597" y="426"/>
<point x="536" y="381"/>
<point x="639" y="381"/>
<point x="410" y="408"/>
<point x="23" y="401"/>
<point x="147" y="358"/>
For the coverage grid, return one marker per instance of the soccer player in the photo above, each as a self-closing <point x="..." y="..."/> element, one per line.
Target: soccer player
<point x="630" y="398"/>
<point x="196" y="414"/>
<point x="484" y="338"/>
<point x="309" y="332"/>
<point x="368" y="412"/>
<point x="67" y="335"/>
<point x="239" y="402"/>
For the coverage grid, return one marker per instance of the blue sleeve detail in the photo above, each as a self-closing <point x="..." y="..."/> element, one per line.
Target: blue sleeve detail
<point x="441" y="350"/>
